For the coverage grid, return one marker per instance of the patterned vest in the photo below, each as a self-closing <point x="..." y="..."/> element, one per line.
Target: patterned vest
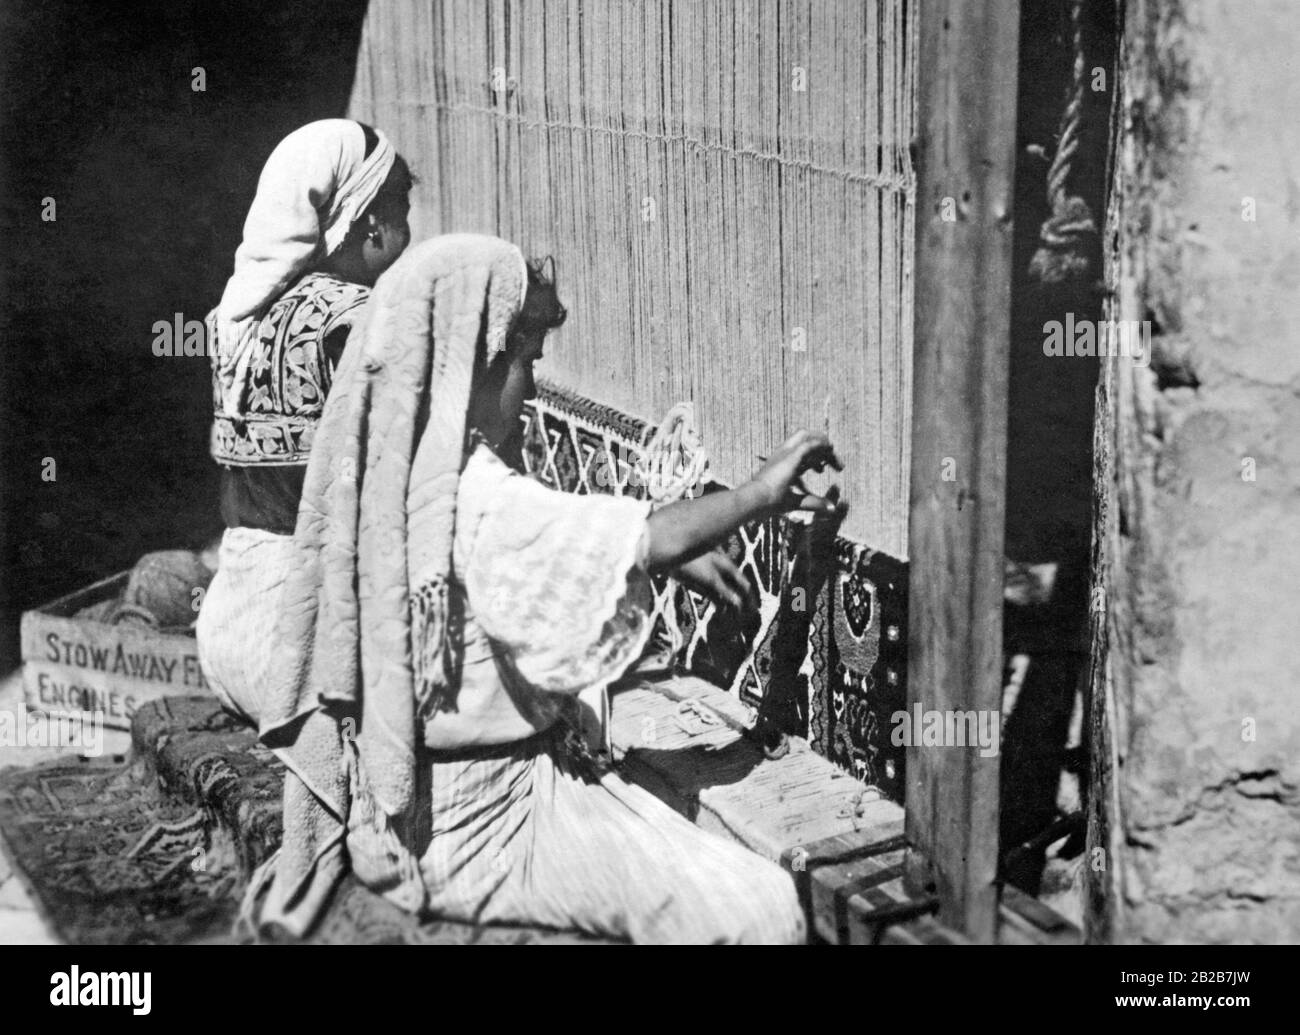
<point x="290" y="374"/>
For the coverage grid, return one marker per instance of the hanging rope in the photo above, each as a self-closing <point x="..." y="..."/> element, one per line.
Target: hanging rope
<point x="1066" y="236"/>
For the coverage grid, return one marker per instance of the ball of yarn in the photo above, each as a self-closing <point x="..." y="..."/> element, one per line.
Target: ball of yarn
<point x="164" y="584"/>
<point x="674" y="461"/>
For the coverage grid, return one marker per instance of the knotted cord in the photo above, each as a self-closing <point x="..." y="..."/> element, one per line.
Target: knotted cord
<point x="1063" y="253"/>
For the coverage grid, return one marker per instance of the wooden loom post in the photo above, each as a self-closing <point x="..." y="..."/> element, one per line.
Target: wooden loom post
<point x="966" y="76"/>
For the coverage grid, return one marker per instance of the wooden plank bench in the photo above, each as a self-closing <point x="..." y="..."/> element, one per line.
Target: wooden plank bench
<point x="683" y="739"/>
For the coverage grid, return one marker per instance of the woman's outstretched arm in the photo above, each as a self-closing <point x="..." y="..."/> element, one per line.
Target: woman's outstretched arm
<point x="683" y="530"/>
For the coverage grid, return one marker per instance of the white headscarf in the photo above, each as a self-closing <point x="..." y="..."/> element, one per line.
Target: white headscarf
<point x="371" y="575"/>
<point x="314" y="186"/>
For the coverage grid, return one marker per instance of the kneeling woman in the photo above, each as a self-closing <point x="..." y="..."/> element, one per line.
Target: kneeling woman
<point x="440" y="613"/>
<point x="329" y="217"/>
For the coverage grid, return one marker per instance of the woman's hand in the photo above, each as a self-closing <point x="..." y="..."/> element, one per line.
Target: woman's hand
<point x="719" y="578"/>
<point x="681" y="533"/>
<point x="778" y="480"/>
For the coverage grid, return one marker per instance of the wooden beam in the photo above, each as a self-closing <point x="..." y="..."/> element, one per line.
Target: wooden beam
<point x="966" y="85"/>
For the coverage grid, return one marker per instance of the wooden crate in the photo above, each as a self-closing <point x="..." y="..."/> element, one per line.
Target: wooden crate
<point x="78" y="665"/>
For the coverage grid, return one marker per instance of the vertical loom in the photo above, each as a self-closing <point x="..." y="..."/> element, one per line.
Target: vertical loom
<point x="726" y="187"/>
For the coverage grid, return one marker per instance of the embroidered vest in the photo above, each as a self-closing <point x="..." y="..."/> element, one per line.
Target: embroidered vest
<point x="290" y="375"/>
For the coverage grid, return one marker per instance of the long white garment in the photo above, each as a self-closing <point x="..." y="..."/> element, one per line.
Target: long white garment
<point x="556" y="604"/>
<point x="238" y="613"/>
<point x="524" y="837"/>
<point x="517" y="834"/>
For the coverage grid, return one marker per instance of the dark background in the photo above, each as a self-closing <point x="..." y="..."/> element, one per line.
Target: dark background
<point x="1050" y="417"/>
<point x="151" y="182"/>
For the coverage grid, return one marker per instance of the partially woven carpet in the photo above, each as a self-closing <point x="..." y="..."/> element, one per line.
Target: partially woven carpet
<point x="159" y="849"/>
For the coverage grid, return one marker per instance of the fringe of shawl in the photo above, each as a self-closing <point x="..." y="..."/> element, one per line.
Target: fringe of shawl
<point x="435" y="642"/>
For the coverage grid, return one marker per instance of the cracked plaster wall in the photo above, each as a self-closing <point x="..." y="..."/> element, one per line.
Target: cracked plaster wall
<point x="1194" y="832"/>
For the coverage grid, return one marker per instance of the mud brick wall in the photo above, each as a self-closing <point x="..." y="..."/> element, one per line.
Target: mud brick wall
<point x="1195" y="796"/>
<point x="824" y="658"/>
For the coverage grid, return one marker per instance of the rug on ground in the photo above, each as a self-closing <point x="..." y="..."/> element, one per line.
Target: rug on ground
<point x="157" y="848"/>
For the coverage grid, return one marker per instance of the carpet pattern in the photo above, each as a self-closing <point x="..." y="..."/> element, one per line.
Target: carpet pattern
<point x="825" y="655"/>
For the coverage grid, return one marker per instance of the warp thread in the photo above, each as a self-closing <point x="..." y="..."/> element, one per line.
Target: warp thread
<point x="729" y="184"/>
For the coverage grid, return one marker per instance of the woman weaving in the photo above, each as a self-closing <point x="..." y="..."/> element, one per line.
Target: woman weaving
<point x="439" y="613"/>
